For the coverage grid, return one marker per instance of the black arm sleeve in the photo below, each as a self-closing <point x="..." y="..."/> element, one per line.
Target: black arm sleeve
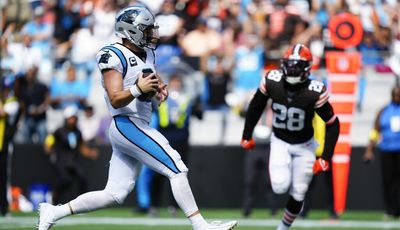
<point x="332" y="130"/>
<point x="256" y="108"/>
<point x="325" y="112"/>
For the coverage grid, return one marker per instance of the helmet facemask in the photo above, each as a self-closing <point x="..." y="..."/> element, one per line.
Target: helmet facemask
<point x="137" y="24"/>
<point x="295" y="71"/>
<point x="151" y="36"/>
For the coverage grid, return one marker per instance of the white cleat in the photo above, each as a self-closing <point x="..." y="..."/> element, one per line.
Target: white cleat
<point x="46" y="216"/>
<point x="219" y="225"/>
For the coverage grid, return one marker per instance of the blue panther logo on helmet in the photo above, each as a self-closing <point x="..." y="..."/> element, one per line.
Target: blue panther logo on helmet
<point x="137" y="24"/>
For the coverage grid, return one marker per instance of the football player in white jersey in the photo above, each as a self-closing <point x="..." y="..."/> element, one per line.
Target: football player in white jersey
<point x="128" y="95"/>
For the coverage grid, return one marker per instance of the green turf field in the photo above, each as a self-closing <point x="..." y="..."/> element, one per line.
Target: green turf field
<point x="124" y="219"/>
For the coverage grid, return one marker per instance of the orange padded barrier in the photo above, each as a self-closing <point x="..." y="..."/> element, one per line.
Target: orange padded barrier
<point x="340" y="174"/>
<point x="340" y="107"/>
<point x="345" y="127"/>
<point x="342" y="147"/>
<point x="342" y="87"/>
<point x="343" y="68"/>
<point x="343" y="62"/>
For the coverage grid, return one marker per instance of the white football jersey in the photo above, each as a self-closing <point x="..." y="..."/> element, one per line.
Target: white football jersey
<point x="120" y="58"/>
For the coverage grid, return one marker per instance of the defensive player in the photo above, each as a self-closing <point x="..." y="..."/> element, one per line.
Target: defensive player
<point x="132" y="139"/>
<point x="294" y="100"/>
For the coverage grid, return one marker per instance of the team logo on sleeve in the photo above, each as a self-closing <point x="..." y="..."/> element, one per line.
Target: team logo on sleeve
<point x="132" y="61"/>
<point x="104" y="57"/>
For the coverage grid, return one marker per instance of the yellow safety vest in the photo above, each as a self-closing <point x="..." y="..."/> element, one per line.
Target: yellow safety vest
<point x="3" y="122"/>
<point x="319" y="134"/>
<point x="163" y="113"/>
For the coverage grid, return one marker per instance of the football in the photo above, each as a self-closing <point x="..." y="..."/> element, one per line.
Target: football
<point x="147" y="96"/>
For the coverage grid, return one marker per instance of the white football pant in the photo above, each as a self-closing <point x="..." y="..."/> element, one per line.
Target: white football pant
<point x="134" y="140"/>
<point x="290" y="167"/>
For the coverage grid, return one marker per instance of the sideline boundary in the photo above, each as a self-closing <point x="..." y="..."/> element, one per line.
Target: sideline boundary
<point x="24" y="222"/>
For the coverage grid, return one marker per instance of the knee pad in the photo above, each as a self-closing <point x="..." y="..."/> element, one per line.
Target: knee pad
<point x="280" y="185"/>
<point x="180" y="165"/>
<point x="119" y="190"/>
<point x="177" y="175"/>
<point x="299" y="191"/>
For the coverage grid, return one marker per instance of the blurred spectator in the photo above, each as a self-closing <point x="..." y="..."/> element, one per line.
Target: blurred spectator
<point x="35" y="97"/>
<point x="67" y="22"/>
<point x="275" y="24"/>
<point x="371" y="50"/>
<point x="191" y="31"/>
<point x="191" y="10"/>
<point x="154" y="5"/>
<point x="174" y="115"/>
<point x="85" y="46"/>
<point x="371" y="56"/>
<point x="257" y="10"/>
<point x="102" y="132"/>
<point x="218" y="77"/>
<point x="386" y="133"/>
<point x="233" y="12"/>
<point x="395" y="56"/>
<point x="366" y="12"/>
<point x="103" y="15"/>
<point x="64" y="147"/>
<point x="317" y="48"/>
<point x="233" y="32"/>
<point x="23" y="55"/>
<point x="171" y="25"/>
<point x="6" y="34"/>
<point x="40" y="31"/>
<point x="9" y="114"/>
<point x="248" y="68"/>
<point x="321" y="11"/>
<point x="304" y="33"/>
<point x="372" y="53"/>
<point x="69" y="92"/>
<point x="3" y="15"/>
<point x="89" y="124"/>
<point x="199" y="43"/>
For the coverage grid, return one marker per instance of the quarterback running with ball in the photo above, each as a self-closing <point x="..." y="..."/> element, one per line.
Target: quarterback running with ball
<point x="295" y="99"/>
<point x="130" y="81"/>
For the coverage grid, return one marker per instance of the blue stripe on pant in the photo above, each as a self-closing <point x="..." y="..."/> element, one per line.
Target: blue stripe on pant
<point x="143" y="187"/>
<point x="133" y="134"/>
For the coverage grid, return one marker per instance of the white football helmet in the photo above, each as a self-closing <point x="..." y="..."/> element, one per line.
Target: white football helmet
<point x="137" y="24"/>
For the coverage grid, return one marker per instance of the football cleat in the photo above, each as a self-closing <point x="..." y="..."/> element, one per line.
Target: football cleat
<point x="219" y="225"/>
<point x="46" y="216"/>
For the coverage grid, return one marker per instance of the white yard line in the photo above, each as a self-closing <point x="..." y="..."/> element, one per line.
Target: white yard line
<point x="21" y="222"/>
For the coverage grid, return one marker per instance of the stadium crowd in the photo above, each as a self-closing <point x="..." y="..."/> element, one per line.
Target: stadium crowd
<point x="221" y="47"/>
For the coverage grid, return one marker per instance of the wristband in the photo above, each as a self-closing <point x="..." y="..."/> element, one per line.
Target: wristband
<point x="374" y="135"/>
<point x="135" y="91"/>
